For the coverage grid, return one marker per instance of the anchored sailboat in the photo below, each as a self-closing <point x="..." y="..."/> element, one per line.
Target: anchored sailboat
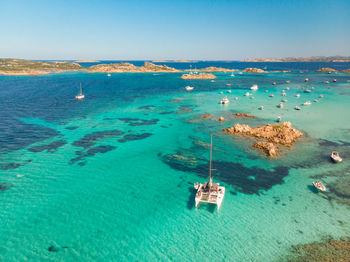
<point x="209" y="192"/>
<point x="80" y="96"/>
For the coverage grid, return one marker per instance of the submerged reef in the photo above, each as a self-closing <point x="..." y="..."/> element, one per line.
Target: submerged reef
<point x="283" y="134"/>
<point x="328" y="251"/>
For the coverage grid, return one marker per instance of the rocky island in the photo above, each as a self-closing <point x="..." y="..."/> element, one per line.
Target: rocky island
<point x="326" y="69"/>
<point x="130" y="68"/>
<point x="198" y="76"/>
<point x="253" y="70"/>
<point x="302" y="59"/>
<point x="26" y="67"/>
<point x="346" y="71"/>
<point x="268" y="136"/>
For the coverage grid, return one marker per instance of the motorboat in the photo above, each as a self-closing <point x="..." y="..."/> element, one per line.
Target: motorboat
<point x="236" y="98"/>
<point x="281" y="105"/>
<point x="274" y="83"/>
<point x="287" y="88"/>
<point x="224" y="101"/>
<point x="108" y="74"/>
<point x="287" y="81"/>
<point x="307" y="103"/>
<point x="80" y="96"/>
<point x="228" y="84"/>
<point x="247" y="94"/>
<point x="297" y="95"/>
<point x="284" y="100"/>
<point x="320" y="96"/>
<point x="279" y="119"/>
<point x="334" y="80"/>
<point x="312" y="88"/>
<point x="335" y="157"/>
<point x="189" y="88"/>
<point x="326" y="82"/>
<point x="229" y="91"/>
<point x="316" y="100"/>
<point x="272" y="95"/>
<point x="307" y="90"/>
<point x="283" y="94"/>
<point x="319" y="186"/>
<point x="254" y="87"/>
<point x="212" y="81"/>
<point x="297" y="108"/>
<point x="261" y="108"/>
<point x="266" y="91"/>
<point x="209" y="192"/>
<point x="306" y="79"/>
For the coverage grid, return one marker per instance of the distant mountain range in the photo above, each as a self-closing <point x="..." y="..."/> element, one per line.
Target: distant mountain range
<point x="302" y="59"/>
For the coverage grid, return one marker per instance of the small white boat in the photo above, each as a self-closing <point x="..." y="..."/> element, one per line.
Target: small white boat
<point x="287" y="88"/>
<point x="274" y="83"/>
<point x="335" y="157"/>
<point x="288" y="82"/>
<point x="240" y="73"/>
<point x="334" y="80"/>
<point x="312" y="88"/>
<point x="224" y="101"/>
<point x="266" y="91"/>
<point x="189" y="88"/>
<point x="228" y="84"/>
<point x="221" y="92"/>
<point x="272" y="95"/>
<point x="247" y="94"/>
<point x="307" y="103"/>
<point x="236" y="98"/>
<point x="297" y="95"/>
<point x="306" y="79"/>
<point x="326" y="82"/>
<point x="320" y="96"/>
<point x="261" y="108"/>
<point x="319" y="186"/>
<point x="284" y="100"/>
<point x="232" y="74"/>
<point x="283" y="94"/>
<point x="307" y="91"/>
<point x="108" y="74"/>
<point x="229" y="91"/>
<point x="212" y="81"/>
<point x="316" y="100"/>
<point x="279" y="119"/>
<point x="297" y="108"/>
<point x="281" y="105"/>
<point x="80" y="96"/>
<point x="254" y="87"/>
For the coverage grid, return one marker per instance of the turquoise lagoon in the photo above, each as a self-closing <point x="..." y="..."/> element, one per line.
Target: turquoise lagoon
<point x="100" y="180"/>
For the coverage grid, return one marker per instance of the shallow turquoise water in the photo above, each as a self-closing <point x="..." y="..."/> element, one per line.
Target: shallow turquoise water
<point x="111" y="190"/>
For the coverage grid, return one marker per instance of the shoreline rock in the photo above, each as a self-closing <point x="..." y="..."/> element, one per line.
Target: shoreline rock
<point x="270" y="136"/>
<point x="198" y="76"/>
<point x="346" y="71"/>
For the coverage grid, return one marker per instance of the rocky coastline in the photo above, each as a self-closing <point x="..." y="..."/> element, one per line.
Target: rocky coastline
<point x="268" y="136"/>
<point x="326" y="69"/>
<point x="130" y="68"/>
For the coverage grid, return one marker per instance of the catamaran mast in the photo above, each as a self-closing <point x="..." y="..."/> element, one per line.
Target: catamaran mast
<point x="80" y="90"/>
<point x="210" y="169"/>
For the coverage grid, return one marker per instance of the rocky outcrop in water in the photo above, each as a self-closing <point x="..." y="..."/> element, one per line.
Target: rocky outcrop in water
<point x="198" y="76"/>
<point x="244" y="115"/>
<point x="346" y="71"/>
<point x="326" y="69"/>
<point x="254" y="70"/>
<point x="269" y="135"/>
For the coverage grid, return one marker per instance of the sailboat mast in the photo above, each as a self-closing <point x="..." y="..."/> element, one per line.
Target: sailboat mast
<point x="80" y="89"/>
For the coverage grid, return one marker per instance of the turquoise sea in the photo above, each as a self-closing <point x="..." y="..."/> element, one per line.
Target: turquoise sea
<point x="111" y="178"/>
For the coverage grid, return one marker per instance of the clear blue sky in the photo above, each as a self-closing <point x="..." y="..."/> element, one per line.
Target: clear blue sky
<point x="176" y="29"/>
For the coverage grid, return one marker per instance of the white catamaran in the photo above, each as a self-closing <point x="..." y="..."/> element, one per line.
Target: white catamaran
<point x="209" y="192"/>
<point x="80" y="96"/>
